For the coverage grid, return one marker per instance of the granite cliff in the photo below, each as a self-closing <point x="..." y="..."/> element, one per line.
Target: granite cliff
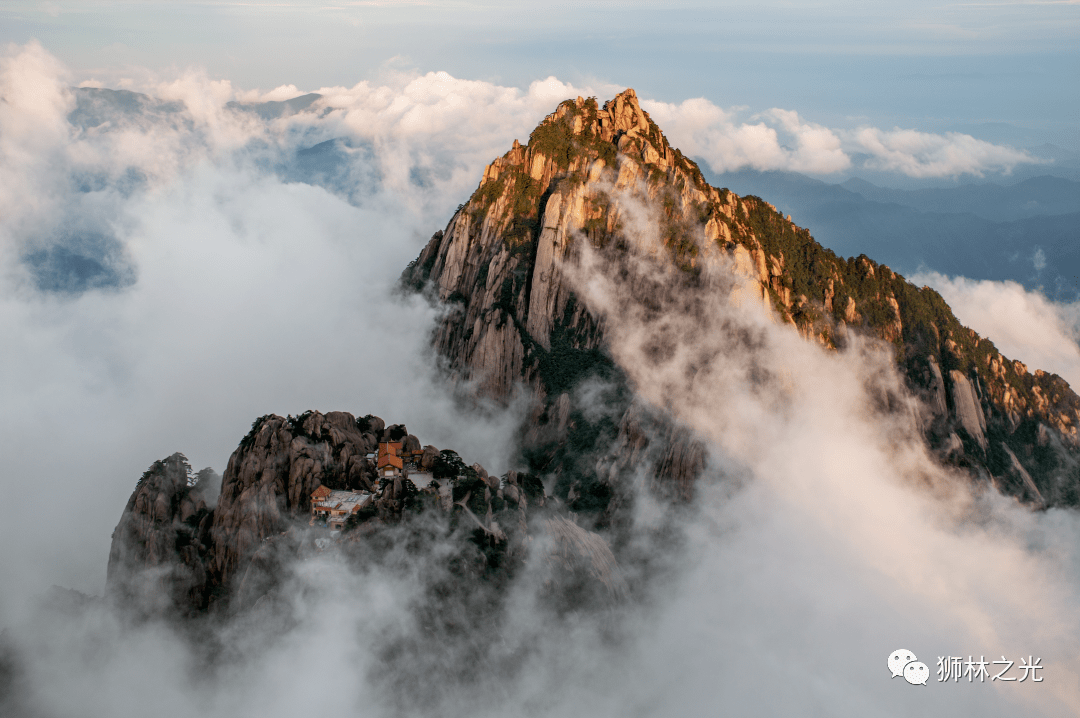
<point x="156" y="561"/>
<point x="517" y="324"/>
<point x="175" y="554"/>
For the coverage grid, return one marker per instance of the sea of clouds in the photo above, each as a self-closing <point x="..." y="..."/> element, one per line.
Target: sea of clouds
<point x="843" y="532"/>
<point x="216" y="286"/>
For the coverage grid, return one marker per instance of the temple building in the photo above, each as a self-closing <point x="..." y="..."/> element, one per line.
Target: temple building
<point x="390" y="463"/>
<point x="336" y="506"/>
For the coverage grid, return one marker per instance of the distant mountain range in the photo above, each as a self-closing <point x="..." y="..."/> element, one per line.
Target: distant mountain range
<point x="1027" y="232"/>
<point x="1029" y="198"/>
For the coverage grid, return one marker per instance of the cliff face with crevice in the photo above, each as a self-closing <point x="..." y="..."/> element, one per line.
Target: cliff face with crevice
<point x="583" y="177"/>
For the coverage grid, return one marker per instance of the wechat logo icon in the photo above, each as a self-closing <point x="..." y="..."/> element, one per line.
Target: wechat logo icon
<point x="903" y="663"/>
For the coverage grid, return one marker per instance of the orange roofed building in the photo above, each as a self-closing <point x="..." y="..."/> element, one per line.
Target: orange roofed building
<point x="336" y="506"/>
<point x="390" y="462"/>
<point x="390" y="465"/>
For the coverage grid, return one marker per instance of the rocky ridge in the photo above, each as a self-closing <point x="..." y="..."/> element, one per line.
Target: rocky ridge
<point x="517" y="323"/>
<point x="175" y="554"/>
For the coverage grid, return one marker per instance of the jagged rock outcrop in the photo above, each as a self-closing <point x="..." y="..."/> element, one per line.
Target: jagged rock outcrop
<point x="270" y="478"/>
<point x="173" y="553"/>
<point x="156" y="561"/>
<point x="170" y="542"/>
<point x="582" y="177"/>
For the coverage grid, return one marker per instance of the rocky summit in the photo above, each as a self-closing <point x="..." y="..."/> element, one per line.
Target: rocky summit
<point x="188" y="544"/>
<point x="518" y="323"/>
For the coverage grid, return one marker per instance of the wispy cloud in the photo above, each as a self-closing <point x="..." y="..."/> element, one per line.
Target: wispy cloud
<point x="1023" y="324"/>
<point x="782" y="140"/>
<point x="845" y="533"/>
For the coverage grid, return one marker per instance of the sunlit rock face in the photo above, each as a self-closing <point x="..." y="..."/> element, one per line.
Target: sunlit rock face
<point x="593" y="175"/>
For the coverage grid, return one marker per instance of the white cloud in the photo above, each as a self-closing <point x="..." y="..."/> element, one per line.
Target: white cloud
<point x="1023" y="325"/>
<point x="445" y="126"/>
<point x="278" y="94"/>
<point x="34" y="102"/>
<point x="846" y="539"/>
<point x="250" y="296"/>
<point x="818" y="149"/>
<point x="780" y="139"/>
<point x="922" y="154"/>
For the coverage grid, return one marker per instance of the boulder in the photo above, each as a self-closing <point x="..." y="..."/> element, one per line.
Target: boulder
<point x="429" y="457"/>
<point x="371" y="424"/>
<point x="394" y="432"/>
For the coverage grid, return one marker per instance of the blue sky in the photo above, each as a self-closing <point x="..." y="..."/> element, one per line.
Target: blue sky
<point x="932" y="66"/>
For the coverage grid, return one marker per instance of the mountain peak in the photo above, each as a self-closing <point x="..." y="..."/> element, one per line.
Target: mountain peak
<point x="582" y="178"/>
<point x="580" y="125"/>
<point x="626" y="113"/>
<point x="579" y="143"/>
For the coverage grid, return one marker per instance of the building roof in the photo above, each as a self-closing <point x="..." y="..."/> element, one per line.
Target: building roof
<point x="390" y="460"/>
<point x="390" y="447"/>
<point x="321" y="493"/>
<point x="347" y="501"/>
